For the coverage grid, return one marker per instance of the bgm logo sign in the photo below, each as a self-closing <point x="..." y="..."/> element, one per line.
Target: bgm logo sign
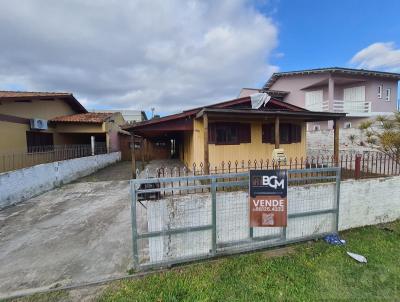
<point x="268" y="198"/>
<point x="273" y="182"/>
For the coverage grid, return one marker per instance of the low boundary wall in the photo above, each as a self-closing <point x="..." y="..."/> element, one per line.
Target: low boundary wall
<point x="369" y="201"/>
<point x="179" y="227"/>
<point x="22" y="184"/>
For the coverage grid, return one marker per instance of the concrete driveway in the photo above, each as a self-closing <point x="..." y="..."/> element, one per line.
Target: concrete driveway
<point x="80" y="232"/>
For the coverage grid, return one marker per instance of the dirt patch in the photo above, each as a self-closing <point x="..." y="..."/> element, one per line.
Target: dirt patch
<point x="279" y="252"/>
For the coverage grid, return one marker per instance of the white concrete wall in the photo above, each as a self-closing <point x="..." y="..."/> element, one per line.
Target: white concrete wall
<point x="362" y="202"/>
<point x="369" y="201"/>
<point x="22" y="184"/>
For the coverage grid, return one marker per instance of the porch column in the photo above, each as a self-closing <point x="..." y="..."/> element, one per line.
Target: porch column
<point x="336" y="141"/>
<point x="133" y="159"/>
<point x="206" y="153"/>
<point x="277" y="137"/>
<point x="142" y="150"/>
<point x="331" y="92"/>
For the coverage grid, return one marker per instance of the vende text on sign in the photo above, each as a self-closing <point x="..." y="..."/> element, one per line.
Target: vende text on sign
<point x="268" y="198"/>
<point x="268" y="211"/>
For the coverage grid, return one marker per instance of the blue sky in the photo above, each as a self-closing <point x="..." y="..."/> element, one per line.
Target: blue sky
<point x="197" y="52"/>
<point x="316" y="34"/>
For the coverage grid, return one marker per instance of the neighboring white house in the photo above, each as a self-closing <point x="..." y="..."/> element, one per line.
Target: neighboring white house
<point x="130" y="116"/>
<point x="360" y="93"/>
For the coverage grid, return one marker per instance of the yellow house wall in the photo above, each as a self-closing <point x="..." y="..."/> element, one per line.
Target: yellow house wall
<point x="251" y="151"/>
<point x="187" y="154"/>
<point x="36" y="109"/>
<point x="12" y="136"/>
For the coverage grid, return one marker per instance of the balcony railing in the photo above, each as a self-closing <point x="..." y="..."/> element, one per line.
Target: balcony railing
<point x="342" y="106"/>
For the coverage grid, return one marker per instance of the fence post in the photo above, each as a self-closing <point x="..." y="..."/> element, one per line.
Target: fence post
<point x="134" y="226"/>
<point x="337" y="197"/>
<point x="214" y="217"/>
<point x="357" y="167"/>
<point x="92" y="144"/>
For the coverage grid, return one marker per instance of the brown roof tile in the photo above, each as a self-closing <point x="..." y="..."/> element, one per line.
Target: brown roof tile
<point x="90" y="117"/>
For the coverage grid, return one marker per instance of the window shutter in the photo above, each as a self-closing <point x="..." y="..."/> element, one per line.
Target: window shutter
<point x="268" y="134"/>
<point x="211" y="133"/>
<point x="245" y="133"/>
<point x="284" y="134"/>
<point x="298" y="134"/>
<point x="295" y="133"/>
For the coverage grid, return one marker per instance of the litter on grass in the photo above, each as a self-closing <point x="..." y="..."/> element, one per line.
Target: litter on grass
<point x="334" y="239"/>
<point x="359" y="258"/>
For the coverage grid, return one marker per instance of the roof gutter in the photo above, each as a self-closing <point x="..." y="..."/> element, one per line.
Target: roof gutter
<point x="333" y="115"/>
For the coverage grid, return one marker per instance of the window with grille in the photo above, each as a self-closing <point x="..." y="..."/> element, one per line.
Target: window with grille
<point x="229" y="133"/>
<point x="39" y="141"/>
<point x="288" y="133"/>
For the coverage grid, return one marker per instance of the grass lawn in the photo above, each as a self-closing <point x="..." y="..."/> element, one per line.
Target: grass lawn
<point x="311" y="271"/>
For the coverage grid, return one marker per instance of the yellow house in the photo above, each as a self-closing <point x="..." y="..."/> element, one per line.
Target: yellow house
<point x="232" y="131"/>
<point x="32" y="121"/>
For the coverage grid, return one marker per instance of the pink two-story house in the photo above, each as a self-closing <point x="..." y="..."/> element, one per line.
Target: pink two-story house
<point x="362" y="94"/>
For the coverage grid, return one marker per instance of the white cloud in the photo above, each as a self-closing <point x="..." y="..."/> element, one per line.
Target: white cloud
<point x="170" y="55"/>
<point x="382" y="56"/>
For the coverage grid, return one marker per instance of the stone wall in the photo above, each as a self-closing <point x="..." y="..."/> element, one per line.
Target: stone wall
<point x="321" y="142"/>
<point x="22" y="184"/>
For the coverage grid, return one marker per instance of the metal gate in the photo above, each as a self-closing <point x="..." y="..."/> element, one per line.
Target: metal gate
<point x="188" y="218"/>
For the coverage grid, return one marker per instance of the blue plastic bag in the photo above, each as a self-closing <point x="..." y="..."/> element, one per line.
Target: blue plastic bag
<point x="334" y="239"/>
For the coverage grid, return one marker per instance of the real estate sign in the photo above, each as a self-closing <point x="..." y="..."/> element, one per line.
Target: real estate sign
<point x="268" y="198"/>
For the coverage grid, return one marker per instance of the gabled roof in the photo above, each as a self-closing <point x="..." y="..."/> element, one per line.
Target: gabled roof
<point x="337" y="70"/>
<point x="30" y="95"/>
<point x="239" y="103"/>
<point x="90" y="117"/>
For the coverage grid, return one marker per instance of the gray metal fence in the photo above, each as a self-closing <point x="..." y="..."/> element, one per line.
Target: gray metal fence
<point x="13" y="160"/>
<point x="210" y="215"/>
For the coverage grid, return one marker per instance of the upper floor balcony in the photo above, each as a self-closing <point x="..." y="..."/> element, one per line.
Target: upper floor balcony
<point x="350" y="107"/>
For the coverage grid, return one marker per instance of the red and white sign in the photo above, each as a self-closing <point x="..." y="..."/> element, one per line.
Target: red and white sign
<point x="268" y="211"/>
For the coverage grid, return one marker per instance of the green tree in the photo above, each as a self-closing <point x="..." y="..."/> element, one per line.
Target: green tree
<point x="381" y="134"/>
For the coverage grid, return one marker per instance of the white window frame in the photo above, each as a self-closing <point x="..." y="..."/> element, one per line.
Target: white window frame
<point x="354" y="99"/>
<point x="380" y="91"/>
<point x="388" y="94"/>
<point x="314" y="100"/>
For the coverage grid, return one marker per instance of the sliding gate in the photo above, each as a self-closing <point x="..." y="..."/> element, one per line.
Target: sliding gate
<point x="181" y="219"/>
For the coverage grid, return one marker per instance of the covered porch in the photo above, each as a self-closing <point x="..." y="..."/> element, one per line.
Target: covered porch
<point x="195" y="141"/>
<point x="271" y="133"/>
